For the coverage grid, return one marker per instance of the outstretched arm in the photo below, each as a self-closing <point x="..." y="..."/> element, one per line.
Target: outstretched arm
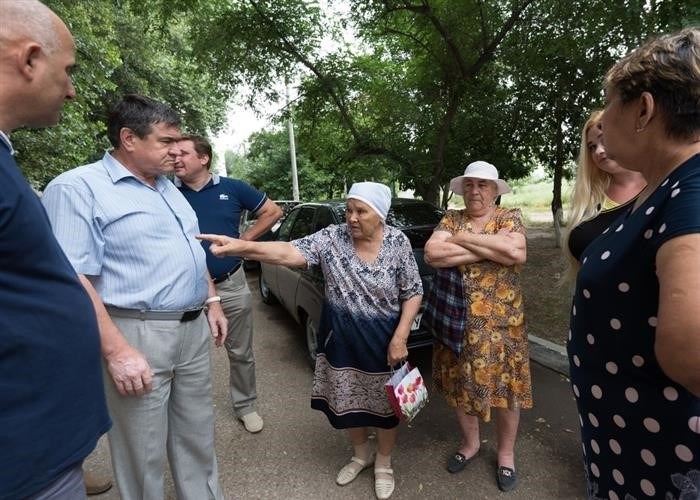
<point x="272" y="252"/>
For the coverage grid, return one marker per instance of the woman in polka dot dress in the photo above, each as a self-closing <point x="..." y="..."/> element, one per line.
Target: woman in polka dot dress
<point x="634" y="346"/>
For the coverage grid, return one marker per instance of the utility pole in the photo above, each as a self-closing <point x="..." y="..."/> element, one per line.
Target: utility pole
<point x="292" y="146"/>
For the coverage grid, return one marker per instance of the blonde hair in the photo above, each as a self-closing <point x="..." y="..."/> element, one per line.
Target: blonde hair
<point x="588" y="193"/>
<point x="668" y="67"/>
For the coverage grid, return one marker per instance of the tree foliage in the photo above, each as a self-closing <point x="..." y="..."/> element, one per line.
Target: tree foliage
<point x="120" y="49"/>
<point x="434" y="84"/>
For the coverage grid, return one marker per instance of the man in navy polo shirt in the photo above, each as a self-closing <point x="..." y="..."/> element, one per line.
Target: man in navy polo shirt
<point x="218" y="202"/>
<point x="52" y="405"/>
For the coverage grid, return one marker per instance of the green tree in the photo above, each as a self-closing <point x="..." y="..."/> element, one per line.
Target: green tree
<point x="120" y="49"/>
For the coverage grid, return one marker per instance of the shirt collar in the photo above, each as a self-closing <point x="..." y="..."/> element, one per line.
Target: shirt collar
<point x="214" y="181"/>
<point x="117" y="171"/>
<point x="6" y="139"/>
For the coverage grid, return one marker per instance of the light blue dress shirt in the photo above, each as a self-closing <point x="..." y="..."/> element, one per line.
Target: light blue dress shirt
<point x="134" y="242"/>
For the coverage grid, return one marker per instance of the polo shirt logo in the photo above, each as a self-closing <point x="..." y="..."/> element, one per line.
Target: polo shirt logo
<point x="223" y="196"/>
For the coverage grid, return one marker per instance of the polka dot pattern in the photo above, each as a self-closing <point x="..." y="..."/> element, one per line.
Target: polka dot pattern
<point x="639" y="428"/>
<point x="684" y="453"/>
<point x="648" y="457"/>
<point x="647" y="488"/>
<point x="615" y="446"/>
<point x="618" y="477"/>
<point x="670" y="393"/>
<point x="651" y="425"/>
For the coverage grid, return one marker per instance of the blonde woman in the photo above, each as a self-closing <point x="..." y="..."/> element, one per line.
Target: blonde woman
<point x="602" y="191"/>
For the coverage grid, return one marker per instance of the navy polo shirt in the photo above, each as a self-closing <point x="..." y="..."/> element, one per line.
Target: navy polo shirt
<point x="218" y="206"/>
<point x="52" y="404"/>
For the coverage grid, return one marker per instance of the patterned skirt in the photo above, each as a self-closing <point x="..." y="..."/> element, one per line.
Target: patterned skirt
<point x="351" y="370"/>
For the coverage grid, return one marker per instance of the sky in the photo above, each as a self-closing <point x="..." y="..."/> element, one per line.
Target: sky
<point x="243" y="120"/>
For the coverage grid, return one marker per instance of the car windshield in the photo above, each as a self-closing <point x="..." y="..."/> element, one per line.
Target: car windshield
<point x="403" y="215"/>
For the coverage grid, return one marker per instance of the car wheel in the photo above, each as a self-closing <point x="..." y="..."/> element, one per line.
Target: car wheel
<point x="265" y="292"/>
<point x="311" y="340"/>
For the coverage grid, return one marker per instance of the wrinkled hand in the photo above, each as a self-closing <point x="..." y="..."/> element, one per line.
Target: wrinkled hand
<point x="397" y="351"/>
<point x="130" y="371"/>
<point x="217" y="323"/>
<point x="221" y="246"/>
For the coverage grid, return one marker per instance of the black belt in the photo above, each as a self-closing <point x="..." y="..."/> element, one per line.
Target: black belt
<point x="226" y="276"/>
<point x="182" y="316"/>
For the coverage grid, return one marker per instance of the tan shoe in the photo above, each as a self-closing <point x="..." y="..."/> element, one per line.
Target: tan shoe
<point x="96" y="483"/>
<point x="252" y="422"/>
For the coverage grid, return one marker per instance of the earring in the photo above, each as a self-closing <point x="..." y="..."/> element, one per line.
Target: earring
<point x="639" y="129"/>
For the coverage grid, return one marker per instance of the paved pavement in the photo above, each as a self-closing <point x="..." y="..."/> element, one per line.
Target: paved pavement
<point x="298" y="454"/>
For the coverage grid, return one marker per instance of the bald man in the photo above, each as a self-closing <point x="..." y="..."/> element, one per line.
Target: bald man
<point x="52" y="404"/>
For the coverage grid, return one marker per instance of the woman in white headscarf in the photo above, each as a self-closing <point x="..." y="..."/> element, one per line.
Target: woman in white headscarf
<point x="373" y="292"/>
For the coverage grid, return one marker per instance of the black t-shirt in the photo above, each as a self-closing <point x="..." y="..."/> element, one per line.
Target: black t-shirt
<point x="582" y="235"/>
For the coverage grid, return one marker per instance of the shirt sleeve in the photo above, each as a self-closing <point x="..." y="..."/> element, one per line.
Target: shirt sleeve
<point x="312" y="245"/>
<point x="409" y="280"/>
<point x="71" y="211"/>
<point x="250" y="198"/>
<point x="679" y="216"/>
<point x="447" y="223"/>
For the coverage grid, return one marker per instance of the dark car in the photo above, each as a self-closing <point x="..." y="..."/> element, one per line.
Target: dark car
<point x="301" y="291"/>
<point x="248" y="218"/>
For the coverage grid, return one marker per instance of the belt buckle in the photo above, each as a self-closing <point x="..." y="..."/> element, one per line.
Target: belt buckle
<point x="190" y="315"/>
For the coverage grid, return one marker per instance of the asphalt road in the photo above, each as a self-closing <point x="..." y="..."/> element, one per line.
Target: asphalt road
<point x="298" y="454"/>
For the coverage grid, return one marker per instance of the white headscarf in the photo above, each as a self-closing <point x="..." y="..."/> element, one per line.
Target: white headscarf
<point x="376" y="195"/>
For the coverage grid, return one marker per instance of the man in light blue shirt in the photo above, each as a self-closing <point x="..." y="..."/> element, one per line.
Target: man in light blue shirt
<point x="130" y="235"/>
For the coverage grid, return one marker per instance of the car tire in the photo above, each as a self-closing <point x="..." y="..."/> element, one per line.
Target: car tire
<point x="311" y="335"/>
<point x="265" y="292"/>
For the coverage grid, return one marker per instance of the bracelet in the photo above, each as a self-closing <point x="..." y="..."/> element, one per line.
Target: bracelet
<point x="211" y="300"/>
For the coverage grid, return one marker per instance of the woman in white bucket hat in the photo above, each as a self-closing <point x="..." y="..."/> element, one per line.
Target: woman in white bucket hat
<point x="485" y="246"/>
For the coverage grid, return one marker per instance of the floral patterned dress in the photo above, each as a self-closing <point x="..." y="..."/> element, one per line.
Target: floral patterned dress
<point x="361" y="310"/>
<point x="493" y="369"/>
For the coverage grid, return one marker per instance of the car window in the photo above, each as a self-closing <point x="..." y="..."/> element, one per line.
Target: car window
<point x="286" y="227"/>
<point x="414" y="214"/>
<point x="324" y="218"/>
<point x="303" y="224"/>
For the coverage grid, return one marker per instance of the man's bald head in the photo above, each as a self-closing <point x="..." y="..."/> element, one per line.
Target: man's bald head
<point x="37" y="55"/>
<point x="29" y="20"/>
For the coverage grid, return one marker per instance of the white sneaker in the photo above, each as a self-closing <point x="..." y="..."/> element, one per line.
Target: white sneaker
<point x="252" y="422"/>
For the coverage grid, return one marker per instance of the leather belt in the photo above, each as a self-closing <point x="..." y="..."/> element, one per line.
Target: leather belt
<point x="226" y="276"/>
<point x="182" y="316"/>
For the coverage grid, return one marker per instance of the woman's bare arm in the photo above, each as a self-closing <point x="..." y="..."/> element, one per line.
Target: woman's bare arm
<point x="272" y="252"/>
